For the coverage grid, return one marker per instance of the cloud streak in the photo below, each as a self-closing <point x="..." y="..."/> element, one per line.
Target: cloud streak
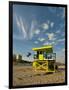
<point x="27" y="33"/>
<point x="41" y="39"/>
<point x="31" y="33"/>
<point x="17" y="21"/>
<point x="61" y="40"/>
<point x="21" y="26"/>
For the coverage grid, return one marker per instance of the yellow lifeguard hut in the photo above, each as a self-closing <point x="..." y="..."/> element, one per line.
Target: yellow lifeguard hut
<point x="44" y="58"/>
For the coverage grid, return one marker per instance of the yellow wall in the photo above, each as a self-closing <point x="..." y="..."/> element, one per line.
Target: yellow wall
<point x="41" y="57"/>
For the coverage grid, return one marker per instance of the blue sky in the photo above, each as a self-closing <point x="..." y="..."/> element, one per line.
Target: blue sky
<point x="35" y="26"/>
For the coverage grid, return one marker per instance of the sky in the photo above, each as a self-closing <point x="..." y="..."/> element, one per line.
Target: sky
<point x="36" y="26"/>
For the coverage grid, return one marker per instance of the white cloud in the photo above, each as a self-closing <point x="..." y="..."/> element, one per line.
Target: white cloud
<point x="58" y="31"/>
<point x="52" y="42"/>
<point x="50" y="36"/>
<point x="52" y="24"/>
<point x="45" y="26"/>
<point x="41" y="39"/>
<point x="61" y="40"/>
<point x="37" y="31"/>
<point x="36" y="42"/>
<point x="49" y="43"/>
<point x="46" y="43"/>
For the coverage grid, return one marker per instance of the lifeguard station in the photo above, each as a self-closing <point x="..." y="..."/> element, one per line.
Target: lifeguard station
<point x="44" y="58"/>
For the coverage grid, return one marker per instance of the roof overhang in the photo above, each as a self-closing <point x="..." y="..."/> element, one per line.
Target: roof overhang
<point x="46" y="47"/>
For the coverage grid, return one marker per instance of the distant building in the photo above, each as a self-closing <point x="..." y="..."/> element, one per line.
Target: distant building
<point x="61" y="66"/>
<point x="17" y="58"/>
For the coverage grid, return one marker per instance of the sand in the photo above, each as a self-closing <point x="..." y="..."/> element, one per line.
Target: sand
<point x="25" y="75"/>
